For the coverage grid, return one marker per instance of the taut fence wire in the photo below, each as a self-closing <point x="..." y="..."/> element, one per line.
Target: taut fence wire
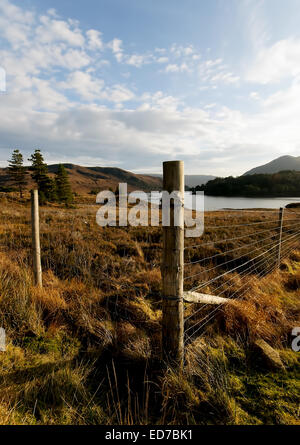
<point x="257" y="254"/>
<point x="199" y="275"/>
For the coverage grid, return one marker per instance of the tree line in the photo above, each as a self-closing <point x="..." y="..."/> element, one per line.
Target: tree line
<point x="57" y="189"/>
<point x="285" y="183"/>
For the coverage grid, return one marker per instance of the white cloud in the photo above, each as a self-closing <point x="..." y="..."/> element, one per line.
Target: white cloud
<point x="15" y="13"/>
<point x="46" y="97"/>
<point x="189" y="50"/>
<point x="173" y="68"/>
<point x="116" y="47"/>
<point x="94" y="89"/>
<point x="15" y="24"/>
<point x="180" y="51"/>
<point x="229" y="78"/>
<point x="159" y="101"/>
<point x="214" y="72"/>
<point x="119" y="93"/>
<point x="277" y="62"/>
<point x="254" y="95"/>
<point x="255" y="22"/>
<point x="161" y="128"/>
<point x="52" y="12"/>
<point x="84" y="85"/>
<point x="52" y="30"/>
<point x="94" y="39"/>
<point x="137" y="60"/>
<point x="211" y="63"/>
<point x="209" y="106"/>
<point x="119" y="122"/>
<point x="162" y="60"/>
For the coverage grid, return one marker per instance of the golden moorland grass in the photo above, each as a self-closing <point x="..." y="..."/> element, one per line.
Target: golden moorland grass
<point x="86" y="347"/>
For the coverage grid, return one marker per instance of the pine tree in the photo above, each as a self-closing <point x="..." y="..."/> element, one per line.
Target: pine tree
<point x="39" y="167"/>
<point x="63" y="187"/>
<point x="17" y="171"/>
<point x="45" y="184"/>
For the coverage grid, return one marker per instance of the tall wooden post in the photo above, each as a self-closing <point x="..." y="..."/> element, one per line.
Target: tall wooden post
<point x="36" y="248"/>
<point x="172" y="269"/>
<point x="281" y="218"/>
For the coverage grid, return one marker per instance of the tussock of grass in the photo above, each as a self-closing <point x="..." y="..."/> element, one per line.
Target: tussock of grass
<point x="85" y="348"/>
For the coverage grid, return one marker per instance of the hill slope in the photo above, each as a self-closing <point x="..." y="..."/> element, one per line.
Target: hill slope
<point x="283" y="163"/>
<point x="87" y="179"/>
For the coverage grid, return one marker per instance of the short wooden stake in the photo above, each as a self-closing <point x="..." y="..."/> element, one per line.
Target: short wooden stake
<point x="36" y="248"/>
<point x="172" y="270"/>
<point x="281" y="218"/>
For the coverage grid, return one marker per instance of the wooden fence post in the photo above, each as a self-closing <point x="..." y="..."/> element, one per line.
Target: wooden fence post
<point x="172" y="270"/>
<point x="281" y="218"/>
<point x="35" y="224"/>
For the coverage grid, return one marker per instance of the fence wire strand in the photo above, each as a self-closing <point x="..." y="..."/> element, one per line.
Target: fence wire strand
<point x="272" y="268"/>
<point x="233" y="239"/>
<point x="288" y="233"/>
<point x="234" y="269"/>
<point x="237" y="248"/>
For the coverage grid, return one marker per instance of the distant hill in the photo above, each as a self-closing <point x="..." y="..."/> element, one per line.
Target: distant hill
<point x="85" y="180"/>
<point x="285" y="183"/>
<point x="283" y="163"/>
<point x="192" y="180"/>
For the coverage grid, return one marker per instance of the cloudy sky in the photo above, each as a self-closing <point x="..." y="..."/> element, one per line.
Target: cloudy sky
<point x="132" y="83"/>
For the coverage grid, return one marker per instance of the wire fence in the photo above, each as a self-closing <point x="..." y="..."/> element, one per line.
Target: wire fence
<point x="237" y="247"/>
<point x="223" y="265"/>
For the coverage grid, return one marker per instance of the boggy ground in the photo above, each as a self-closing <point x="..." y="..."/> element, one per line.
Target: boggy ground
<point x="85" y="349"/>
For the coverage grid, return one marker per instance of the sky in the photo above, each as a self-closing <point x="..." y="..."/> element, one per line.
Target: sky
<point x="133" y="83"/>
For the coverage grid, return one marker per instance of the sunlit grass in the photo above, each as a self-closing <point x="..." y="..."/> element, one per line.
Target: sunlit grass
<point x="86" y="347"/>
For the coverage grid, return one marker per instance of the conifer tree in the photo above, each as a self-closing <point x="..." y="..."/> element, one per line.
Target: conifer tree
<point x="45" y="184"/>
<point x="17" y="171"/>
<point x="63" y="187"/>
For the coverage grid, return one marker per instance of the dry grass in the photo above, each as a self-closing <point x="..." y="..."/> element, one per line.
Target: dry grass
<point x="86" y="348"/>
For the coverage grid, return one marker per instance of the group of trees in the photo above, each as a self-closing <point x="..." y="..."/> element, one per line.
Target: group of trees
<point x="285" y="183"/>
<point x="57" y="189"/>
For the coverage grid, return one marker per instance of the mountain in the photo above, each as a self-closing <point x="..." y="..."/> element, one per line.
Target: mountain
<point x="85" y="180"/>
<point x="192" y="180"/>
<point x="283" y="163"/>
